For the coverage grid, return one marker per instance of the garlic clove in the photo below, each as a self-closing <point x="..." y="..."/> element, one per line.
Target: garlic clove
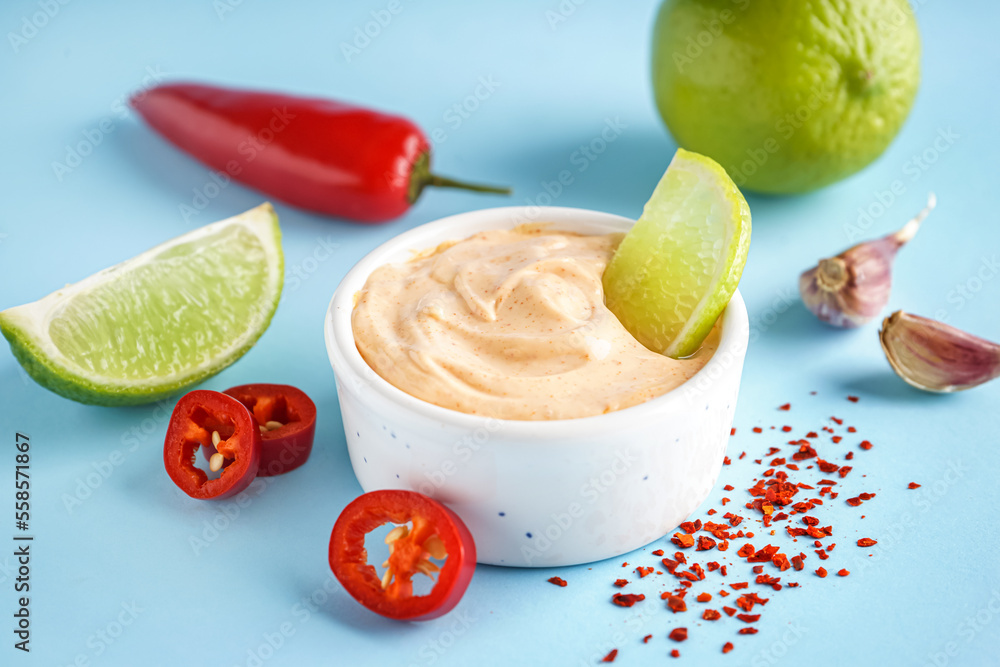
<point x="934" y="356"/>
<point x="852" y="288"/>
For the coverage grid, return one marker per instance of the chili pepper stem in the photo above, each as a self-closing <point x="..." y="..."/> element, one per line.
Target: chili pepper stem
<point x="421" y="177"/>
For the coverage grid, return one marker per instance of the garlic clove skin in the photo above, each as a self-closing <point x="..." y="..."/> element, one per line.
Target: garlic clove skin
<point x="851" y="289"/>
<point x="934" y="356"/>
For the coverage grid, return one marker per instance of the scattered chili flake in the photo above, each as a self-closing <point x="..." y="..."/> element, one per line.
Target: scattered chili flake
<point x="836" y="439"/>
<point x="865" y="445"/>
<point x="627" y="600"/>
<point x="913" y="485"/>
<point x="786" y="429"/>
<point x="676" y="604"/>
<point x="843" y="573"/>
<point x="748" y="631"/>
<point x="557" y="581"/>
<point x="683" y="540"/>
<point x="745" y="551"/>
<point x="658" y="552"/>
<point x="704" y="597"/>
<point x="786" y="407"/>
<point x="867" y="542"/>
<point x="675" y="653"/>
<point x="851" y="429"/>
<point x="726" y="461"/>
<point x="645" y="640"/>
<point x="621" y="583"/>
<point x="848" y="456"/>
<point x="678" y="634"/>
<point x="837" y="421"/>
<point x="729" y="611"/>
<point x="727" y="647"/>
<point x="812" y="434"/>
<point x="711" y="615"/>
<point x="643" y="571"/>
<point x="821" y="572"/>
<point x="758" y="429"/>
<point x="844" y="470"/>
<point x="748" y="618"/>
<point x="732" y="431"/>
<point x="610" y="657"/>
<point x="739" y="585"/>
<point x="852" y="399"/>
<point x="705" y="543"/>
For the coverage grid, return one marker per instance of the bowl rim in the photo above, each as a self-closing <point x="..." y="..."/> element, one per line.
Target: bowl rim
<point x="345" y="358"/>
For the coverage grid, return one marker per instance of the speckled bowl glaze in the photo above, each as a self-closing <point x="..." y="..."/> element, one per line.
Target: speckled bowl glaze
<point x="538" y="493"/>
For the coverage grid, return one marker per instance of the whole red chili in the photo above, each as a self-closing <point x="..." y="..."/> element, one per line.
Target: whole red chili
<point x="324" y="156"/>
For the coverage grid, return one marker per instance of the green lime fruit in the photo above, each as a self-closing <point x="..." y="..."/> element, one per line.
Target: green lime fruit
<point x="787" y="96"/>
<point x="159" y="322"/>
<point x="676" y="270"/>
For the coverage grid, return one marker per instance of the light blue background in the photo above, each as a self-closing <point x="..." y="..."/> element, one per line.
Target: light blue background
<point x="127" y="541"/>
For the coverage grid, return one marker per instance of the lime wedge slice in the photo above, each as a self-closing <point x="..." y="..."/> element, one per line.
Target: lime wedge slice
<point x="159" y="322"/>
<point x="677" y="268"/>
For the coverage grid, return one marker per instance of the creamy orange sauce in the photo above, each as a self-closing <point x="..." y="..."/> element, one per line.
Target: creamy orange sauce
<point x="511" y="324"/>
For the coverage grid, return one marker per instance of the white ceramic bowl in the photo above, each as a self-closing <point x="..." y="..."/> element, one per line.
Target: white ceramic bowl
<point x="538" y="493"/>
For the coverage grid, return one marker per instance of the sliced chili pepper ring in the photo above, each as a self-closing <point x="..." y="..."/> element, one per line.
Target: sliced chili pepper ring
<point x="425" y="529"/>
<point x="199" y="418"/>
<point x="286" y="419"/>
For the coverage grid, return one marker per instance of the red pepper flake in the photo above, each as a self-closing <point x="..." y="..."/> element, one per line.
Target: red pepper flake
<point x="728" y="487"/>
<point x="826" y="466"/>
<point x="836" y="439"/>
<point x="821" y="572"/>
<point x="837" y="421"/>
<point x="748" y="631"/>
<point x="786" y="407"/>
<point x="627" y="600"/>
<point x="812" y="434"/>
<point x="913" y="485"/>
<point x="557" y="581"/>
<point x="822" y="554"/>
<point x="658" y="552"/>
<point x="729" y="611"/>
<point x="678" y="634"/>
<point x="724" y="574"/>
<point x="710" y="512"/>
<point x="732" y="431"/>
<point x="865" y="445"/>
<point x="645" y="640"/>
<point x="853" y="502"/>
<point x="843" y="573"/>
<point x="852" y="399"/>
<point x="781" y="562"/>
<point x="742" y="455"/>
<point x="867" y="542"/>
<point x="621" y="583"/>
<point x="748" y="618"/>
<point x="712" y="566"/>
<point x="610" y="657"/>
<point x="675" y="653"/>
<point x="704" y="597"/>
<point x="625" y="564"/>
<point x="726" y="461"/>
<point x="683" y="540"/>
<point x="758" y="429"/>
<point x="797" y="562"/>
<point x="676" y="604"/>
<point x="705" y="543"/>
<point x="727" y="647"/>
<point x="680" y="558"/>
<point x="844" y="470"/>
<point x="758" y="569"/>
<point x="786" y="429"/>
<point x="723" y="593"/>
<point x="851" y="429"/>
<point x="711" y="615"/>
<point x="643" y="571"/>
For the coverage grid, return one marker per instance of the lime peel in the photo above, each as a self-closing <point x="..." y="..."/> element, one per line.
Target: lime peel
<point x="154" y="324"/>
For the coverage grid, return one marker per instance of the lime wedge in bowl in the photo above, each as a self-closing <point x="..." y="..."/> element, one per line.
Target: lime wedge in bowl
<point x="159" y="322"/>
<point x="676" y="270"/>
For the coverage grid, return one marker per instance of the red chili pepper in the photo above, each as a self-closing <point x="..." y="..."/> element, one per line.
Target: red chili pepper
<point x="286" y="418"/>
<point x="434" y="532"/>
<point x="317" y="154"/>
<point x="196" y="417"/>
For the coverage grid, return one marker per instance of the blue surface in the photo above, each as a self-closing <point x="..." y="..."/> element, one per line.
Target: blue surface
<point x="116" y="578"/>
